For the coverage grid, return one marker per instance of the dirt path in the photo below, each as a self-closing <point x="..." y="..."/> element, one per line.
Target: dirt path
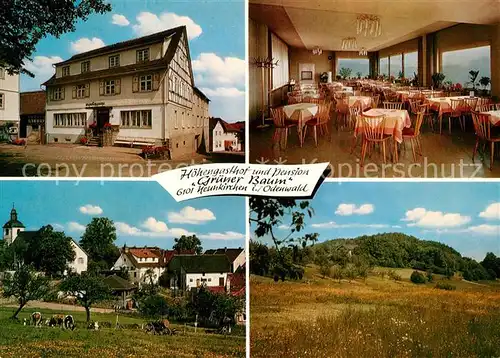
<point x="59" y="307"/>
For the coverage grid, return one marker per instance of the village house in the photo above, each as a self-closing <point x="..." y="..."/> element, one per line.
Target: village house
<point x="192" y="271"/>
<point x="226" y="137"/>
<point x="136" y="92"/>
<point x="15" y="230"/>
<point x="144" y="263"/>
<point x="9" y="101"/>
<point x="236" y="257"/>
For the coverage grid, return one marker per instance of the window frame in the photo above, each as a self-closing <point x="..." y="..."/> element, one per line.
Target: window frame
<point x="57" y="93"/>
<point x="135" y="119"/>
<point x="85" y="64"/>
<point x="110" y="86"/>
<point x="144" y="79"/>
<point x="70" y="120"/>
<point x="142" y="51"/>
<point x="117" y="63"/>
<point x="2" y="101"/>
<point x="66" y="71"/>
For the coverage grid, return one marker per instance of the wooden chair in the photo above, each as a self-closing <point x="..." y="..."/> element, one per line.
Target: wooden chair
<point x="413" y="135"/>
<point x="393" y="105"/>
<point x="281" y="126"/>
<point x="375" y="100"/>
<point x="321" y="120"/>
<point x="354" y="111"/>
<point x="373" y="133"/>
<point x="456" y="106"/>
<point x="428" y="115"/>
<point x="342" y="112"/>
<point x="482" y="127"/>
<point x="486" y="107"/>
<point x="414" y="103"/>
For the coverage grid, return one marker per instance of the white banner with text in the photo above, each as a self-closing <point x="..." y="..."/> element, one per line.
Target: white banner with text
<point x="298" y="181"/>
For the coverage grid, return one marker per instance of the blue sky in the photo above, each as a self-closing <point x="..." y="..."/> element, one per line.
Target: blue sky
<point x="154" y="219"/>
<point x="465" y="216"/>
<point x="217" y="43"/>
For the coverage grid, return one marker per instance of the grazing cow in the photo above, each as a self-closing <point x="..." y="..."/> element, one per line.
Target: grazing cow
<point x="36" y="319"/>
<point x="69" y="322"/>
<point x="94" y="326"/>
<point x="56" y="320"/>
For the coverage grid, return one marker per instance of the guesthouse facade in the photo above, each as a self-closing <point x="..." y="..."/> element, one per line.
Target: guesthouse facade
<point x="141" y="91"/>
<point x="9" y="100"/>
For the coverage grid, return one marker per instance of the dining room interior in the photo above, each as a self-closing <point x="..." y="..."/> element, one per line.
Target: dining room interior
<point x="412" y="87"/>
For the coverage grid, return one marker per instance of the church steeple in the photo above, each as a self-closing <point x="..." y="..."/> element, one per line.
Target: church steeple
<point x="13" y="213"/>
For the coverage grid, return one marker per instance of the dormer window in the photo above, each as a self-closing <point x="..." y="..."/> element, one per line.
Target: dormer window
<point x="142" y="55"/>
<point x="65" y="71"/>
<point x="85" y="66"/>
<point x="114" y="61"/>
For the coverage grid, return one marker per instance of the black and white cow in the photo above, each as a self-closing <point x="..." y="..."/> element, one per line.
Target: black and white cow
<point x="69" y="322"/>
<point x="36" y="319"/>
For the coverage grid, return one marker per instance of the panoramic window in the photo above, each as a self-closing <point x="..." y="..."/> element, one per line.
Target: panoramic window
<point x="360" y="67"/>
<point x="70" y="119"/>
<point x="384" y="66"/>
<point x="411" y="64"/>
<point x="396" y="65"/>
<point x="136" y="119"/>
<point x="457" y="64"/>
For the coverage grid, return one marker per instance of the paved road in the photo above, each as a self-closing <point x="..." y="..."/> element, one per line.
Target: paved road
<point x="58" y="307"/>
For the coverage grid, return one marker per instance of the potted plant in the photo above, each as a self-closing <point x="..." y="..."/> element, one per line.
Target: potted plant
<point x="359" y="74"/>
<point x="414" y="81"/>
<point x="437" y="79"/>
<point x="323" y="77"/>
<point x="485" y="82"/>
<point x="473" y="77"/>
<point x="84" y="140"/>
<point x="345" y="72"/>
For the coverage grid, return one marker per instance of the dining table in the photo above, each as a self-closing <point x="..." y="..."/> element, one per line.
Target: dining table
<point x="364" y="101"/>
<point x="494" y="117"/>
<point x="300" y="113"/>
<point x="395" y="121"/>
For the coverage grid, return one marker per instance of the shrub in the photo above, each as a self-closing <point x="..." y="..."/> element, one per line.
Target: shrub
<point x="445" y="286"/>
<point x="418" y="277"/>
<point x="154" y="306"/>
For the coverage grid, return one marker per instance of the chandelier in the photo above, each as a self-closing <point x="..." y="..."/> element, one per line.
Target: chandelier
<point x="349" y="43"/>
<point x="317" y="51"/>
<point x="369" y="25"/>
<point x="363" y="51"/>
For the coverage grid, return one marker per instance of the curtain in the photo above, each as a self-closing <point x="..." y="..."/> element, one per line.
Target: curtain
<point x="280" y="54"/>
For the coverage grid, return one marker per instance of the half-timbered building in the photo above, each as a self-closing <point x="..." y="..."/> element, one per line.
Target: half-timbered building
<point x="141" y="91"/>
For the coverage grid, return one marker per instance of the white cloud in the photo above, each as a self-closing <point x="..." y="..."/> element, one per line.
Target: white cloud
<point x="58" y="227"/>
<point x="154" y="225"/>
<point x="434" y="219"/>
<point x="350" y="209"/>
<point x="214" y="71"/>
<point x="396" y="226"/>
<point x="91" y="209"/>
<point x="190" y="215"/>
<point x="284" y="227"/>
<point x="223" y="92"/>
<point x="491" y="212"/>
<point x="41" y="66"/>
<point x="151" y="227"/>
<point x="228" y="235"/>
<point x="85" y="44"/>
<point x="120" y="20"/>
<point x="149" y="23"/>
<point x="74" y="226"/>
<point x="483" y="229"/>
<point x="334" y="225"/>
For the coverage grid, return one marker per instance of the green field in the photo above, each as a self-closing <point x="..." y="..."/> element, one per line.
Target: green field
<point x="17" y="340"/>
<point x="377" y="317"/>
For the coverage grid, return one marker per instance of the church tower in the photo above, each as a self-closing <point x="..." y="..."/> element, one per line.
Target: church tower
<point x="12" y="227"/>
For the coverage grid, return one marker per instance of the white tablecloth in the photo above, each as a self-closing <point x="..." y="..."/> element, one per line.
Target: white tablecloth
<point x="301" y="112"/>
<point x="494" y="117"/>
<point x="395" y="121"/>
<point x="366" y="102"/>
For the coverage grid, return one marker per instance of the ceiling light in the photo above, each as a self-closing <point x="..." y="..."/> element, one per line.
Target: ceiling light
<point x="368" y="25"/>
<point x="349" y="43"/>
<point x="317" y="51"/>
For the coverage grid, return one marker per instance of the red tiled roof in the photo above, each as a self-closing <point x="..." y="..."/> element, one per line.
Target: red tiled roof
<point x="235" y="127"/>
<point x="32" y="102"/>
<point x="168" y="255"/>
<point x="144" y="253"/>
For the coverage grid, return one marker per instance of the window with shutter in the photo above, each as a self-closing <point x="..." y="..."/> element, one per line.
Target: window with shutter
<point x="118" y="87"/>
<point x="74" y="92"/>
<point x="135" y="84"/>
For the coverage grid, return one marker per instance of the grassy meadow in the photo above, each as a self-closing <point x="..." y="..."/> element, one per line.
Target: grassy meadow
<point x="17" y="340"/>
<point x="377" y="317"/>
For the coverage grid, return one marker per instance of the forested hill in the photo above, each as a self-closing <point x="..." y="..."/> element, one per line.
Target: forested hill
<point x="395" y="250"/>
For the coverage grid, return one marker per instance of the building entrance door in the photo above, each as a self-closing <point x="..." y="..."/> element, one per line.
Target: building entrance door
<point x="102" y="118"/>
